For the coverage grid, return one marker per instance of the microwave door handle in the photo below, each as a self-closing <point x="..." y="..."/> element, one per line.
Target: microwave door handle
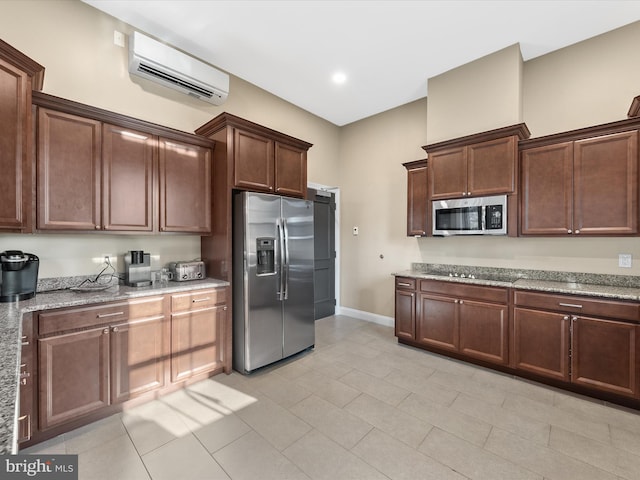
<point x="484" y="218"/>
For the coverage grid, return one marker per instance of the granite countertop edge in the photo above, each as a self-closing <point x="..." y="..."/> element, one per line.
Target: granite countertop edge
<point x="11" y="332"/>
<point x="551" y="286"/>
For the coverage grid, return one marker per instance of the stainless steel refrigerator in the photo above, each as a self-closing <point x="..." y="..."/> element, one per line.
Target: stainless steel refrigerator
<point x="272" y="279"/>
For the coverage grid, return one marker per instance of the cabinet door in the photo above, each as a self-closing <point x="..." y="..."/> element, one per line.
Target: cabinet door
<point x="15" y="181"/>
<point x="448" y="173"/>
<point x="484" y="331"/>
<point x="290" y="170"/>
<point x="541" y="343"/>
<point x="604" y="355"/>
<point x="197" y="342"/>
<point x="405" y="324"/>
<point x="417" y="202"/>
<point x="491" y="166"/>
<point x="185" y="187"/>
<point x="73" y="375"/>
<point x="253" y="161"/>
<point x="606" y="185"/>
<point x="68" y="171"/>
<point x="437" y="322"/>
<point x="137" y="357"/>
<point x="128" y="159"/>
<point x="547" y="186"/>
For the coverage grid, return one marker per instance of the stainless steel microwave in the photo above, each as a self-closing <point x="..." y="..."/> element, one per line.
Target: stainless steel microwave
<point x="470" y="216"/>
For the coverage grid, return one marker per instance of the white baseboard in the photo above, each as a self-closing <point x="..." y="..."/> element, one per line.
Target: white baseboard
<point x="369" y="317"/>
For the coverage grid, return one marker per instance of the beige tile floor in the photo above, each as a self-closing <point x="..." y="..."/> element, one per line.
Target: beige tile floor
<point x="360" y="406"/>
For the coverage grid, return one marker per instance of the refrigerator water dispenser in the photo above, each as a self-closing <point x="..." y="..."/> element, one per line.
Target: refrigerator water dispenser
<point x="265" y="249"/>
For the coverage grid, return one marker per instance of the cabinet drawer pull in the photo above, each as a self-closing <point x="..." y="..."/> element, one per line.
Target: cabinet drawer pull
<point x="403" y="284"/>
<point x="198" y="300"/>
<point x="105" y="315"/>
<point x="572" y="305"/>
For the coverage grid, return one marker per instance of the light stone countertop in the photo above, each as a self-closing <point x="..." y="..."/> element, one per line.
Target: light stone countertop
<point x="11" y="332"/>
<point x="618" y="287"/>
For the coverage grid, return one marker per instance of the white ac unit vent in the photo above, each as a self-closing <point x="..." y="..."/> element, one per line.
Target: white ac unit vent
<point x="167" y="66"/>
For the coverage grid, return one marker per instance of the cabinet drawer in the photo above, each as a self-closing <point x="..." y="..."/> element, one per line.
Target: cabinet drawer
<point x="198" y="299"/>
<point x="405" y="283"/>
<point x="490" y="294"/>
<point x="74" y="318"/>
<point x="579" y="305"/>
<point x="146" y="307"/>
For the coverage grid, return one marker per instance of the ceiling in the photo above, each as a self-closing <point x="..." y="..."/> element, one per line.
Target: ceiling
<point x="386" y="49"/>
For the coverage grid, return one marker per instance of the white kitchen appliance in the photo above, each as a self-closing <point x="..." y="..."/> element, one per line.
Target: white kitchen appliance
<point x="167" y="66"/>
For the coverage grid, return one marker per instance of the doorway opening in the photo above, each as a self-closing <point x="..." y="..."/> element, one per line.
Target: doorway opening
<point x="326" y="265"/>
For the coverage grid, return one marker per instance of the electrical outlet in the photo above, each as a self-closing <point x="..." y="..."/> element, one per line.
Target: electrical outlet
<point x="355" y="231"/>
<point x="624" y="260"/>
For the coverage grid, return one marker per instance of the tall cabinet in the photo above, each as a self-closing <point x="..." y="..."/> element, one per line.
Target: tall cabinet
<point x="19" y="75"/>
<point x="250" y="157"/>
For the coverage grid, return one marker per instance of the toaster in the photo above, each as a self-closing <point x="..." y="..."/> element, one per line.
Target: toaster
<point x="183" y="271"/>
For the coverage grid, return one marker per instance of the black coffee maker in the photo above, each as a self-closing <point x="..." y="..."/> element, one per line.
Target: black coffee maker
<point x="18" y="275"/>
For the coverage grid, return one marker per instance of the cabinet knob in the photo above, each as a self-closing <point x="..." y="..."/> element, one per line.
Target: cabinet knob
<point x="569" y="231"/>
<point x="114" y="329"/>
<point x="105" y="331"/>
<point x="468" y="193"/>
<point x="461" y="302"/>
<point x="577" y="231"/>
<point x="464" y="194"/>
<point x="566" y="317"/>
<point x="97" y="227"/>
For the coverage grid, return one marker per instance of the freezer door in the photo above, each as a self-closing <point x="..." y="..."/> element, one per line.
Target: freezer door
<point x="299" y="327"/>
<point x="262" y="316"/>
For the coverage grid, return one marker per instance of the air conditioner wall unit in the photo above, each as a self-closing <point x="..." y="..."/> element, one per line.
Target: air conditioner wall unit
<point x="167" y="66"/>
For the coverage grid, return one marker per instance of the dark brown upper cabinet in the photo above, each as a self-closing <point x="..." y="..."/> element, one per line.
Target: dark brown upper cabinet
<point x="261" y="159"/>
<point x="582" y="186"/>
<point x="100" y="171"/>
<point x="19" y="75"/>
<point x="479" y="164"/>
<point x="417" y="198"/>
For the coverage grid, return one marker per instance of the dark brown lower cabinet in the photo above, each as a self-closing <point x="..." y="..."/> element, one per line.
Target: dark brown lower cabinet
<point x="86" y="364"/>
<point x="197" y="333"/>
<point x="604" y="355"/>
<point x="405" y="308"/>
<point x="586" y="344"/>
<point x="585" y="341"/>
<point x="73" y="369"/>
<point x="438" y="322"/>
<point x="138" y="351"/>
<point x="541" y="343"/>
<point x="484" y="331"/>
<point x="92" y="360"/>
<point x="470" y="320"/>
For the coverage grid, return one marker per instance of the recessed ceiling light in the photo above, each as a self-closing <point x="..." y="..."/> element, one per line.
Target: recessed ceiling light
<point x="339" y="78"/>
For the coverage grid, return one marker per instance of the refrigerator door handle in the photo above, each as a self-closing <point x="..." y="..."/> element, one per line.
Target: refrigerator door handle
<point x="280" y="260"/>
<point x="285" y="266"/>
